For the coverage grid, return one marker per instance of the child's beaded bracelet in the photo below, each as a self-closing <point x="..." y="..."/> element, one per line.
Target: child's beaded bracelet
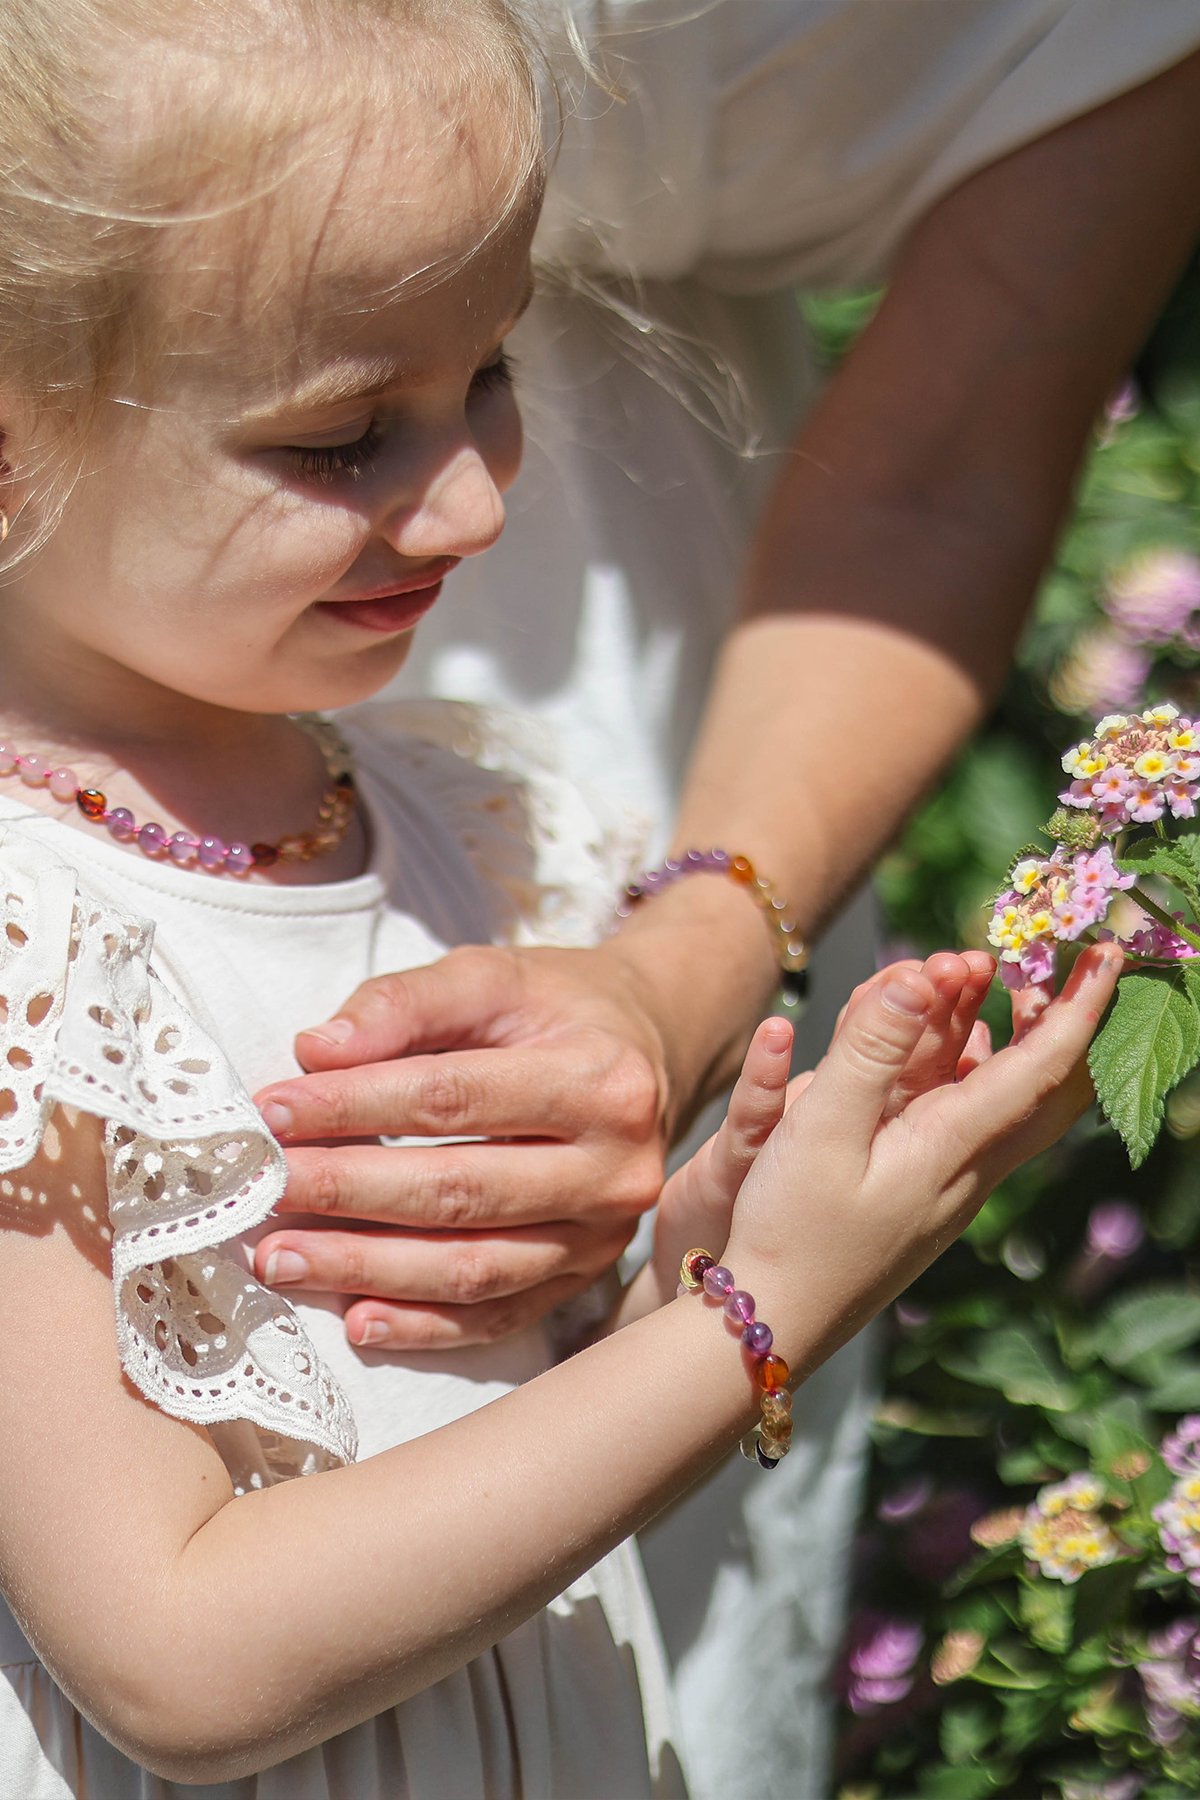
<point x="791" y="949"/>
<point x="771" y="1438"/>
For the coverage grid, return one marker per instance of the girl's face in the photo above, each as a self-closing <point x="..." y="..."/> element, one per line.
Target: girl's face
<point x="329" y="428"/>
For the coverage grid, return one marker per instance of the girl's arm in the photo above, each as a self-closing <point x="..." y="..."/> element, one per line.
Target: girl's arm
<point x="320" y="1602"/>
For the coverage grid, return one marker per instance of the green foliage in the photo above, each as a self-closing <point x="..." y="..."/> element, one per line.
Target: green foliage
<point x="1148" y="1043"/>
<point x="1026" y="1354"/>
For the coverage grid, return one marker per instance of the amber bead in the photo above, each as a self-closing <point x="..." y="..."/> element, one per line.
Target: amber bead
<point x="264" y="855"/>
<point x="742" y="869"/>
<point x="772" y="1372"/>
<point x="91" y="803"/>
<point x="692" y="1268"/>
<point x="776" y="1405"/>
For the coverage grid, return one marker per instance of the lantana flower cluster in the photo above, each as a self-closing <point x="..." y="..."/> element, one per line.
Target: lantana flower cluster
<point x="1051" y="900"/>
<point x="1063" y="1532"/>
<point x="1136" y="768"/>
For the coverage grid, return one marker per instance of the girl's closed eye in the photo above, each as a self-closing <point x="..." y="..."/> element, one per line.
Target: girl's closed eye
<point x="325" y="462"/>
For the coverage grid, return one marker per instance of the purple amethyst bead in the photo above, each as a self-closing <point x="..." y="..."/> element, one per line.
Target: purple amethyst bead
<point x="718" y="1282"/>
<point x="239" y="858"/>
<point x="183" y="847"/>
<point x="739" y="1307"/>
<point x="121" y="823"/>
<point x="758" y="1337"/>
<point x="212" y="853"/>
<point x="152" y="839"/>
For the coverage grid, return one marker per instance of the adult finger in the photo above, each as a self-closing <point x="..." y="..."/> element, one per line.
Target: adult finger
<point x="456" y="1187"/>
<point x="399" y="1329"/>
<point x="466" y="1093"/>
<point x="452" y="1002"/>
<point x="444" y="1268"/>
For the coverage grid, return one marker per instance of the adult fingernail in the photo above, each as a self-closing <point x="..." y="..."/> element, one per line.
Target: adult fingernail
<point x="334" y="1031"/>
<point x="277" y="1117"/>
<point x="904" y="999"/>
<point x="284" y="1266"/>
<point x="372" y="1331"/>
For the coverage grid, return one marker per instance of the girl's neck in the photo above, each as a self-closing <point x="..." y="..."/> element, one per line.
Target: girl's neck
<point x="204" y="770"/>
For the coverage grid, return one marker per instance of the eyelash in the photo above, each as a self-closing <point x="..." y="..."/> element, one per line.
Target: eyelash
<point x="325" y="462"/>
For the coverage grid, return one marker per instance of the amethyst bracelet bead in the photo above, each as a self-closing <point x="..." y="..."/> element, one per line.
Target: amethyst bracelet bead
<point x="771" y="1438"/>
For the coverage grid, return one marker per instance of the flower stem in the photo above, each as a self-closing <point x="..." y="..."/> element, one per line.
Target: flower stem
<point x="1164" y="918"/>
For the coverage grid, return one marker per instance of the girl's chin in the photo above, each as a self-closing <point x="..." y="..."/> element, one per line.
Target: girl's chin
<point x="350" y="681"/>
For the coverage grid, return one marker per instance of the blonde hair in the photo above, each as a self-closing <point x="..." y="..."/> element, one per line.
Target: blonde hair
<point x="95" y="165"/>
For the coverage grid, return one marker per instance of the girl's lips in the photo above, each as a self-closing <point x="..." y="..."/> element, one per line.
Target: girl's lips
<point x="395" y="609"/>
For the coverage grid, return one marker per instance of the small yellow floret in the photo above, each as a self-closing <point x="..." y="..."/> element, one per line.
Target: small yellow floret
<point x="1160" y="715"/>
<point x="1153" y="766"/>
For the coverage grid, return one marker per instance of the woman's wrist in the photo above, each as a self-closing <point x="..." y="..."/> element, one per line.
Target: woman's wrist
<point x="705" y="965"/>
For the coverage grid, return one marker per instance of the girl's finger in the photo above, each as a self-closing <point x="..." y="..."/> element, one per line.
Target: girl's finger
<point x="1028" y="1005"/>
<point x="1010" y="1099"/>
<point x="976" y="1050"/>
<point x="713" y="1178"/>
<point x="864" y="1062"/>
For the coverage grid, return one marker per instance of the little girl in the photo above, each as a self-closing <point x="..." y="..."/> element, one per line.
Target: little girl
<point x="257" y="264"/>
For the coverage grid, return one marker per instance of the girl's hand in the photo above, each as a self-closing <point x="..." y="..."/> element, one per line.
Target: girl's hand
<point x="847" y="1183"/>
<point x="696" y="1205"/>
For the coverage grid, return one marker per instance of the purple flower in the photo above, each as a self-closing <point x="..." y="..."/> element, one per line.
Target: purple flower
<point x="1171" y="1679"/>
<point x="1181" y="1447"/>
<point x="1152" y="598"/>
<point x="1114" y="1230"/>
<point x="1103" y="670"/>
<point x="902" y="1502"/>
<point x="881" y="1662"/>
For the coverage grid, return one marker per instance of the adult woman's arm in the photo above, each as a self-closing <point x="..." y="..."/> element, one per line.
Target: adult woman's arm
<point x="888" y="582"/>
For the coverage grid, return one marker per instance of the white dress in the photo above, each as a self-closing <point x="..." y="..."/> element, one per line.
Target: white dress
<point x="173" y="995"/>
<point x="753" y="146"/>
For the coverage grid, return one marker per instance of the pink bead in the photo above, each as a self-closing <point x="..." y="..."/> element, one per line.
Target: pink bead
<point x="152" y="838"/>
<point x="63" y="784"/>
<point x="239" y="858"/>
<point x="8" y="760"/>
<point x="33" y="770"/>
<point x="739" y="1307"/>
<point x="183" y="848"/>
<point x="212" y="853"/>
<point x="121" y="823"/>
<point x="718" y="1282"/>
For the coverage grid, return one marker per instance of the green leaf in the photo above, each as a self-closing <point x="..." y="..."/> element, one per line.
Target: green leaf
<point x="1023" y="1369"/>
<point x="966" y="1729"/>
<point x="1102" y="1597"/>
<point x="1154" y="1319"/>
<point x="1148" y="1043"/>
<point x="1047" y="1611"/>
<point x="970" y="1783"/>
<point x="1176" y="860"/>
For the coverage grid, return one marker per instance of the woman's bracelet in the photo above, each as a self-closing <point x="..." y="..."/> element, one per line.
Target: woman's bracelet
<point x="791" y="948"/>
<point x="771" y="1438"/>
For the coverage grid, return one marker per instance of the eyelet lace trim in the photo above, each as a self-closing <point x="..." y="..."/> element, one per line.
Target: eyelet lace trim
<point x="87" y="1023"/>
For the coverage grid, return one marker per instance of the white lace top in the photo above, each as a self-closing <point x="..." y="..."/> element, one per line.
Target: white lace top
<point x="158" y="998"/>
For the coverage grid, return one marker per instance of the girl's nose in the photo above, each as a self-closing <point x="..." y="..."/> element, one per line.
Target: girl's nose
<point x="460" y="512"/>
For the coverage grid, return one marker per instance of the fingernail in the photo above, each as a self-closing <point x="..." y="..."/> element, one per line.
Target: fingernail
<point x="778" y="1036"/>
<point x="372" y="1332"/>
<point x="334" y="1031"/>
<point x="284" y="1266"/>
<point x="904" y="999"/>
<point x="276" y="1117"/>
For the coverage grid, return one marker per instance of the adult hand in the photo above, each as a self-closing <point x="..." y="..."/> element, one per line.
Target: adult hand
<point x="554" y="1059"/>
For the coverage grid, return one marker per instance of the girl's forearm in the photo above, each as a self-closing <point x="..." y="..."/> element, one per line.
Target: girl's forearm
<point x="318" y="1603"/>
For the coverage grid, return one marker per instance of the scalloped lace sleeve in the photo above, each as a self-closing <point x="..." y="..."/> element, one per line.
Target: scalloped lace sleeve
<point x="87" y="1023"/>
<point x="560" y="856"/>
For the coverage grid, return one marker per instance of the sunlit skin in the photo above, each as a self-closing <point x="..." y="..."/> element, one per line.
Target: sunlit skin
<point x="266" y="513"/>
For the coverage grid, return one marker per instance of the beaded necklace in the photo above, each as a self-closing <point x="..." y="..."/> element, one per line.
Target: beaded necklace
<point x="334" y="813"/>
